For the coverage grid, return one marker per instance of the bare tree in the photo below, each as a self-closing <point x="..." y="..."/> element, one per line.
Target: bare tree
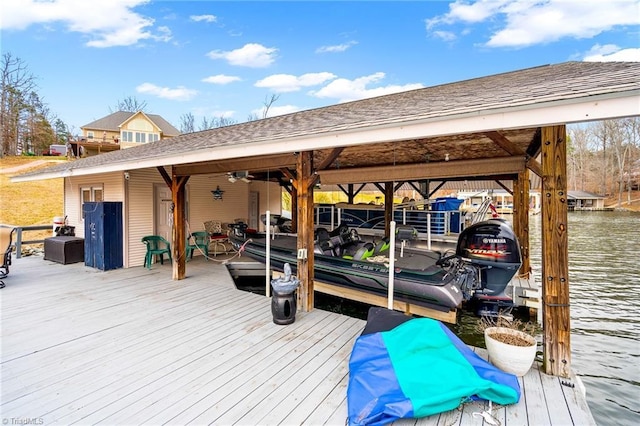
<point x="268" y="102"/>
<point x="130" y="104"/>
<point x="215" y="122"/>
<point x="15" y="82"/>
<point x="187" y="123"/>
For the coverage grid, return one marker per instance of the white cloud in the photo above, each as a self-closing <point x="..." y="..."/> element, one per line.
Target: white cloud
<point x="281" y="83"/>
<point x="350" y="90"/>
<point x="221" y="79"/>
<point x="611" y="52"/>
<point x="105" y="23"/>
<point x="180" y="93"/>
<point x="250" y="55"/>
<point x="336" y="48"/>
<point x="528" y="22"/>
<point x="445" y="35"/>
<point x="203" y="18"/>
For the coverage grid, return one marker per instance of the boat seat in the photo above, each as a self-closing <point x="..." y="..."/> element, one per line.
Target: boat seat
<point x="381" y="246"/>
<point x="322" y="234"/>
<point x="362" y="253"/>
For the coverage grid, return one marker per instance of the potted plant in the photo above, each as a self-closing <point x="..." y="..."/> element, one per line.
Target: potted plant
<point x="510" y="343"/>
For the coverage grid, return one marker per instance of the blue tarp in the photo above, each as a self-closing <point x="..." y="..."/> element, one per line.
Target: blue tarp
<point x="417" y="369"/>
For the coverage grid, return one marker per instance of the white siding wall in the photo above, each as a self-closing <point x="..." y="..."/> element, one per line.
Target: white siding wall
<point x="137" y="195"/>
<point x="112" y="191"/>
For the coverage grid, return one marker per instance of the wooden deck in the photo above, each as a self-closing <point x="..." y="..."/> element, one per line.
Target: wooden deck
<point x="131" y="346"/>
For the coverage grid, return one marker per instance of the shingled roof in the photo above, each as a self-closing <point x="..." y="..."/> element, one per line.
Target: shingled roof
<point x="112" y="122"/>
<point x="414" y="126"/>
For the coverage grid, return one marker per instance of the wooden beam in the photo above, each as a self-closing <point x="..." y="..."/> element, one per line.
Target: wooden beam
<point x="335" y="153"/>
<point x="521" y="220"/>
<point x="440" y="185"/>
<point x="504" y="143"/>
<point x="439" y="170"/>
<point x="555" y="258"/>
<point x="505" y="187"/>
<point x="178" y="236"/>
<point x="304" y="173"/>
<point x="534" y="166"/>
<point x="165" y="176"/>
<point x="266" y="162"/>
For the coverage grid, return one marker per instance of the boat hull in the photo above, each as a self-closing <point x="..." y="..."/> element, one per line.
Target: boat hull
<point x="430" y="286"/>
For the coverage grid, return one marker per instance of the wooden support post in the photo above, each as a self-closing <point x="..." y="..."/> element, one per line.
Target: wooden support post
<point x="294" y="209"/>
<point x="388" y="207"/>
<point x="178" y="240"/>
<point x="555" y="254"/>
<point x="521" y="220"/>
<point x="305" y="178"/>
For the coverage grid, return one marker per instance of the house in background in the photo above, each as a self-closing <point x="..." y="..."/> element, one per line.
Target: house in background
<point x="582" y="200"/>
<point x="122" y="129"/>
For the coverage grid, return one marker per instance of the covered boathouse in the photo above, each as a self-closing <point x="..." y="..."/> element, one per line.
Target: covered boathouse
<point x="497" y="127"/>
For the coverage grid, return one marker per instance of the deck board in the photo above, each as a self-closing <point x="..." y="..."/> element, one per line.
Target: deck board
<point x="131" y="346"/>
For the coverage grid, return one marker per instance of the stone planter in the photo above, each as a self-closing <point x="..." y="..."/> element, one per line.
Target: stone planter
<point x="509" y="357"/>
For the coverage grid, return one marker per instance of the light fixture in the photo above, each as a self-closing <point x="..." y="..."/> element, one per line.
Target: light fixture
<point x="217" y="193"/>
<point x="446" y="157"/>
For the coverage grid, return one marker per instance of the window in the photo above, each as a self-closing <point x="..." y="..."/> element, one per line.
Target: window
<point x="127" y="136"/>
<point x="89" y="135"/>
<point x="141" y="137"/>
<point x="153" y="137"/>
<point x="88" y="194"/>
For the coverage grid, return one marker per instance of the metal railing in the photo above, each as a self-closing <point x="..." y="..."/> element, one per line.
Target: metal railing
<point x="19" y="242"/>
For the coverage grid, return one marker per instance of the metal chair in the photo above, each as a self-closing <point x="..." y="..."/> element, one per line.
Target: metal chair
<point x="6" y="247"/>
<point x="218" y="238"/>
<point x="198" y="240"/>
<point x="156" y="246"/>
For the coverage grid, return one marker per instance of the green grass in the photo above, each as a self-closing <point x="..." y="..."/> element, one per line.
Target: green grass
<point x="29" y="203"/>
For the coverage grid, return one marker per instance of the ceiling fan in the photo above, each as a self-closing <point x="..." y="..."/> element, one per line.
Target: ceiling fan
<point x="236" y="176"/>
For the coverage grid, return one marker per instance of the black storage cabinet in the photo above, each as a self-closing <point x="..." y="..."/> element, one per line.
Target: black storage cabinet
<point x="64" y="249"/>
<point x="103" y="235"/>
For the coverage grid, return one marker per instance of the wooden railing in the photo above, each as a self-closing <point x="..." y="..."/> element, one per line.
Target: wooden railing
<point x="19" y="242"/>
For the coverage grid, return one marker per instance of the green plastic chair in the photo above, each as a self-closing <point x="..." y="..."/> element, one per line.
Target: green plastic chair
<point x="156" y="246"/>
<point x="198" y="240"/>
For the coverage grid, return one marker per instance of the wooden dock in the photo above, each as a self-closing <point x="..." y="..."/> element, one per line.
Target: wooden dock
<point x="131" y="346"/>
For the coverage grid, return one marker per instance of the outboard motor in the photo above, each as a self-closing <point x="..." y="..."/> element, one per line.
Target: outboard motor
<point x="493" y="249"/>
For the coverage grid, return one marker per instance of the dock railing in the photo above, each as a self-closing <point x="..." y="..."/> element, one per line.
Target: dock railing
<point x="19" y="242"/>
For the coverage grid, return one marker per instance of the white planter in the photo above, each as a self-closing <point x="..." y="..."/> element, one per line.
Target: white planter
<point x="512" y="359"/>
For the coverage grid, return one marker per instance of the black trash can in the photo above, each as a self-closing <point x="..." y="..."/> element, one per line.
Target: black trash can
<point x="283" y="307"/>
<point x="283" y="297"/>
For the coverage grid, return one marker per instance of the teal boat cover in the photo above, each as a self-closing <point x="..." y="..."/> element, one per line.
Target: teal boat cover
<point x="417" y="368"/>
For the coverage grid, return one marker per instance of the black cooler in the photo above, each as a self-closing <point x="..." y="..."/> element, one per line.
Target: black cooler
<point x="64" y="249"/>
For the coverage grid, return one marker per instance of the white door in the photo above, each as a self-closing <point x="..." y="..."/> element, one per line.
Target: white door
<point x="163" y="214"/>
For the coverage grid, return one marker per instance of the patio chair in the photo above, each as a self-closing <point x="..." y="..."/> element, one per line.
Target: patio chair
<point x="156" y="246"/>
<point x="198" y="240"/>
<point x="6" y="247"/>
<point x="217" y="237"/>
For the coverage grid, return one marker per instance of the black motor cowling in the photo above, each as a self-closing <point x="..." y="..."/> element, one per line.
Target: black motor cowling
<point x="493" y="248"/>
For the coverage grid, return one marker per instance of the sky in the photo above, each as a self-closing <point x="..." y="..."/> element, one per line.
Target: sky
<point x="229" y="59"/>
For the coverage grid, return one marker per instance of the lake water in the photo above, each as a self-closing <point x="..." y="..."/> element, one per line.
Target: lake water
<point x="604" y="280"/>
<point x="604" y="286"/>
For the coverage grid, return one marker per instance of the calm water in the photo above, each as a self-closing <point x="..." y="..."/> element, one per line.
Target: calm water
<point x="604" y="283"/>
<point x="604" y="274"/>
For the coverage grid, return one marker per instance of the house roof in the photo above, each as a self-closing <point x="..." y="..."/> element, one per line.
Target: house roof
<point x="112" y="122"/>
<point x="488" y="119"/>
<point x="584" y="195"/>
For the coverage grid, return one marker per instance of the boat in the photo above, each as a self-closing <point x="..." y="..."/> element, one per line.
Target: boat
<point x="486" y="258"/>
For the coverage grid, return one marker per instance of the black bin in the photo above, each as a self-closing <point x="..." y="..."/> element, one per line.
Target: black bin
<point x="283" y="307"/>
<point x="283" y="297"/>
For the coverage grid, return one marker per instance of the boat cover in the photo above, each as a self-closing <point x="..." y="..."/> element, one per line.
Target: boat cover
<point x="410" y="368"/>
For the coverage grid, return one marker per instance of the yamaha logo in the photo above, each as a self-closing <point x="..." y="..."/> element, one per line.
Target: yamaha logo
<point x="494" y="240"/>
